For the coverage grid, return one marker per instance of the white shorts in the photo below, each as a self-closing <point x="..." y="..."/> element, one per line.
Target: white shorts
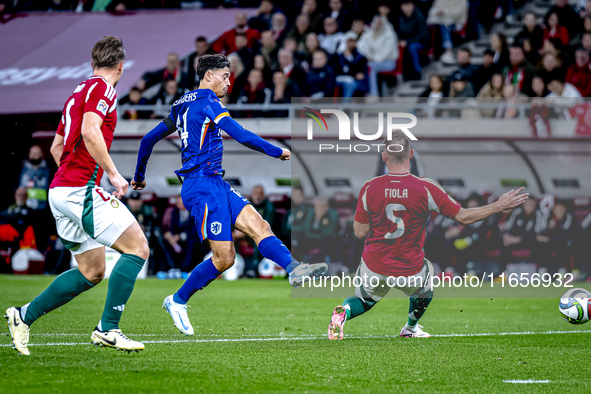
<point x="376" y="286"/>
<point x="88" y="217"/>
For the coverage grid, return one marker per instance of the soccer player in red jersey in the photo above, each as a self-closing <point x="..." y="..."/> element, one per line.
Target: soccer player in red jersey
<point x="392" y="214"/>
<point x="88" y="218"/>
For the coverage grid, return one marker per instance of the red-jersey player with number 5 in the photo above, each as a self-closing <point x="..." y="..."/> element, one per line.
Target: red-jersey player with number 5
<point x="392" y="213"/>
<point x="88" y="218"/>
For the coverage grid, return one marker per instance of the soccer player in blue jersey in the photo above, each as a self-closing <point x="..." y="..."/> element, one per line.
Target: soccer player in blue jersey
<point x="199" y="117"/>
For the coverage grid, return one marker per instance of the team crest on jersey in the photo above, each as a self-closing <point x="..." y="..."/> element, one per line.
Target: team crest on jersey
<point x="216" y="228"/>
<point x="102" y="107"/>
<point x="114" y="203"/>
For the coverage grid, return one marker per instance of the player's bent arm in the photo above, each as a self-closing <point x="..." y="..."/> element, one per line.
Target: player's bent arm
<point x="57" y="148"/>
<point x="248" y="138"/>
<point x="161" y="131"/>
<point x="361" y="229"/>
<point x="95" y="142"/>
<point x="509" y="200"/>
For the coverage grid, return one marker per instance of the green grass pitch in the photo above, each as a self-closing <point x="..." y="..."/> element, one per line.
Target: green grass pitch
<point x="251" y="336"/>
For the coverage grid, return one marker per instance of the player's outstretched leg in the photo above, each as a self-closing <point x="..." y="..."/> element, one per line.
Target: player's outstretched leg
<point x="205" y="273"/>
<point x="417" y="307"/>
<point x="252" y="224"/>
<point x="90" y="271"/>
<point x="134" y="251"/>
<point x="352" y="307"/>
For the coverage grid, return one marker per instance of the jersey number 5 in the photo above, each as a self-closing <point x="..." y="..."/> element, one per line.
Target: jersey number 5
<point x="390" y="209"/>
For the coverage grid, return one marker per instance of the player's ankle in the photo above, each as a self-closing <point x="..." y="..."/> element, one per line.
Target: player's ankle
<point x="411" y="328"/>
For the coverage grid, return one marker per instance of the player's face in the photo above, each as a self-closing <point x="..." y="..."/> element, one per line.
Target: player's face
<point x="220" y="82"/>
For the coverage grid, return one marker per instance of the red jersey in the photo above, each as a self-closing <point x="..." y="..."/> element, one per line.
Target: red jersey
<point x="397" y="208"/>
<point x="582" y="112"/>
<point x="77" y="167"/>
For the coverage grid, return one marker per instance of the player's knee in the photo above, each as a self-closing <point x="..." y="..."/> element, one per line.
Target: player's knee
<point x="93" y="274"/>
<point x="225" y="259"/>
<point x="143" y="250"/>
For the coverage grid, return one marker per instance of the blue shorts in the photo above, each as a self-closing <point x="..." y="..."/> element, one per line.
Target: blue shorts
<point x="214" y="205"/>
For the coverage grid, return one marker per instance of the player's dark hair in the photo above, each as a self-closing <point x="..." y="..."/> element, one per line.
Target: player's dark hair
<point x="392" y="147"/>
<point x="211" y="62"/>
<point x="201" y="39"/>
<point x="108" y="52"/>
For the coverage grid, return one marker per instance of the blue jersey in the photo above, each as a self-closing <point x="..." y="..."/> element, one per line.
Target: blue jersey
<point x="199" y="118"/>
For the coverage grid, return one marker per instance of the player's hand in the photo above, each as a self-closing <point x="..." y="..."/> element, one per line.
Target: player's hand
<point x="286" y="155"/>
<point x="137" y="185"/>
<point x="120" y="184"/>
<point x="512" y="199"/>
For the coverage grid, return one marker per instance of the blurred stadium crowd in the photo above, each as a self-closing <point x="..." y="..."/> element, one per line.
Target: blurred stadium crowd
<point x="342" y="48"/>
<point x="550" y="232"/>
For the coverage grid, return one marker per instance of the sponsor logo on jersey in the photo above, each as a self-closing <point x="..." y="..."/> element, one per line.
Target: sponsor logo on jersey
<point x="216" y="228"/>
<point x="114" y="203"/>
<point x="102" y="107"/>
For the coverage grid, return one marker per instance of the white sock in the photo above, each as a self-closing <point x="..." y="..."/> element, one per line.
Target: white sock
<point x="411" y="328"/>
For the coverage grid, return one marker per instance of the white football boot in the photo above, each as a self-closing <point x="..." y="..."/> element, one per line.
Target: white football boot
<point x="418" y="333"/>
<point x="115" y="339"/>
<point x="178" y="312"/>
<point x="19" y="331"/>
<point x="307" y="271"/>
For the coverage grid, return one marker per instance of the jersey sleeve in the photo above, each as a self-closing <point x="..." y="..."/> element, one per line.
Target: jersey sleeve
<point x="362" y="210"/>
<point x="439" y="201"/>
<point x="61" y="128"/>
<point x="100" y="99"/>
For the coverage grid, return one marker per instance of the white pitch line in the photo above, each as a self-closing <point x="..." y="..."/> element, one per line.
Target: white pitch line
<point x="304" y="337"/>
<point x="526" y="381"/>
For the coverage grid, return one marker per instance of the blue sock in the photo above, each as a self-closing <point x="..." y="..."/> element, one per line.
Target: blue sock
<point x="273" y="249"/>
<point x="201" y="276"/>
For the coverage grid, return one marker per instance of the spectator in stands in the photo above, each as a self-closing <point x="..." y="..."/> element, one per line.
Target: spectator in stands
<point x="321" y="79"/>
<point x="253" y="92"/>
<point x="518" y="231"/>
<point x="531" y="33"/>
<point x="586" y="41"/>
<point x="520" y="72"/>
<point x="555" y="30"/>
<point x="321" y="228"/>
<point x="35" y="178"/>
<point x="246" y="54"/>
<point x="279" y="27"/>
<point x="180" y="234"/>
<point x="19" y="215"/>
<point x="579" y="74"/>
<point x="237" y="78"/>
<point x="340" y="15"/>
<point x="538" y="86"/>
<point x="283" y="92"/>
<point x="201" y="48"/>
<point x="491" y="93"/>
<point x="450" y="15"/>
<point x="577" y="40"/>
<point x="567" y="15"/>
<point x="269" y="49"/>
<point x="485" y="71"/>
<point x="465" y="66"/>
<point x="261" y="203"/>
<point x="310" y="7"/>
<point x="509" y="107"/>
<point x="498" y="43"/>
<point x="294" y="73"/>
<point x="413" y="35"/>
<point x="300" y="30"/>
<point x="295" y="220"/>
<point x="262" y="19"/>
<point x="380" y="46"/>
<point x="312" y="45"/>
<point x="432" y="96"/>
<point x="226" y="44"/>
<point x="260" y="64"/>
<point x="351" y="69"/>
<point x="559" y="88"/>
<point x="165" y="98"/>
<point x="555" y="235"/>
<point x="331" y="38"/>
<point x="171" y="71"/>
<point x="134" y="98"/>
<point x="549" y="68"/>
<point x="461" y="88"/>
